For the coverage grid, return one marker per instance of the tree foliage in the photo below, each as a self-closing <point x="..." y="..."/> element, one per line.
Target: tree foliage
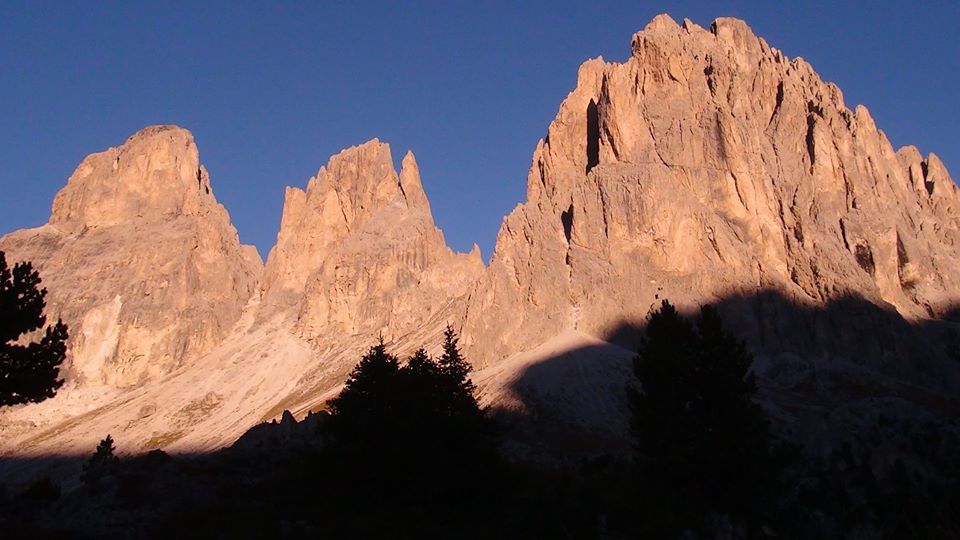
<point x="368" y="396"/>
<point x="702" y="445"/>
<point x="417" y="424"/>
<point x="28" y="372"/>
<point x="102" y="463"/>
<point x="454" y="375"/>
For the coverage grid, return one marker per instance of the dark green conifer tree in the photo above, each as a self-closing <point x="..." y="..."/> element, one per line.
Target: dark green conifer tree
<point x="368" y="406"/>
<point x="28" y="372"/>
<point x="415" y="427"/>
<point x="703" y="446"/>
<point x="421" y="382"/>
<point x="102" y="463"/>
<point x="458" y="389"/>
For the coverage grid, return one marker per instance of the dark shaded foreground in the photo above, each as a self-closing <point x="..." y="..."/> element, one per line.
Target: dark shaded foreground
<point x="869" y="401"/>
<point x="279" y="483"/>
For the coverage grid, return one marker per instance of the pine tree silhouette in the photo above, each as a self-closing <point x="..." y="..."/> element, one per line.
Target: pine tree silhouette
<point x="102" y="463"/>
<point x="422" y="387"/>
<point x="455" y="377"/>
<point x="28" y="372"/>
<point x="702" y="445"/>
<point x="367" y="403"/>
<point x="415" y="428"/>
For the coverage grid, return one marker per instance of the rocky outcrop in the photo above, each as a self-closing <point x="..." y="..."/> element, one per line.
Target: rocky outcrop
<point x="358" y="253"/>
<point x="358" y="257"/>
<point x="140" y="261"/>
<point x="706" y="166"/>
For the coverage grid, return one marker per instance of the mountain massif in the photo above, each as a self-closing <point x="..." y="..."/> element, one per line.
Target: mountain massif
<point x="707" y="168"/>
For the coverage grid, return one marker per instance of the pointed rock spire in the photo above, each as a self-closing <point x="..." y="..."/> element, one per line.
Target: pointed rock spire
<point x="411" y="186"/>
<point x="358" y="252"/>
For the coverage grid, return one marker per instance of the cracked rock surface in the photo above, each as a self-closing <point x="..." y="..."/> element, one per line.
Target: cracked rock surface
<point x="706" y="168"/>
<point x="708" y="165"/>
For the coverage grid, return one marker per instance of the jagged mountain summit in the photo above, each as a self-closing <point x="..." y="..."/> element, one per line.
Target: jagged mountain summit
<point x="358" y="251"/>
<point x="706" y="165"/>
<point x="706" y="168"/>
<point x="357" y="256"/>
<point x="140" y="261"/>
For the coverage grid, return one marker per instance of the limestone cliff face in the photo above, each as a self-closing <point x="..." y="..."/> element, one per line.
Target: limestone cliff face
<point x="140" y="260"/>
<point x="358" y="256"/>
<point x="709" y="165"/>
<point x="358" y="252"/>
<point x="705" y="168"/>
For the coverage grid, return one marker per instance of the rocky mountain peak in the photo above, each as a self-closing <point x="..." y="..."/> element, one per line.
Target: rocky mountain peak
<point x="706" y="167"/>
<point x="358" y="251"/>
<point x="155" y="175"/>
<point x="705" y="164"/>
<point x="141" y="261"/>
<point x="361" y="179"/>
<point x="354" y="186"/>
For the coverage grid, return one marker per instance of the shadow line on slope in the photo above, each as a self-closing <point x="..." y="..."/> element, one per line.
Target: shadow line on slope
<point x="811" y="362"/>
<point x="817" y="366"/>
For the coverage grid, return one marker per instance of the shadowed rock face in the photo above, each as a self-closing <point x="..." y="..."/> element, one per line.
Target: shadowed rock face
<point x="140" y="260"/>
<point x="709" y="164"/>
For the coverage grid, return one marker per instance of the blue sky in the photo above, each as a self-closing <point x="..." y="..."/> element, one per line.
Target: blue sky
<point x="271" y="89"/>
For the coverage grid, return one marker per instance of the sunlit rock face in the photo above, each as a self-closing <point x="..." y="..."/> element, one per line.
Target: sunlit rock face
<point x="709" y="165"/>
<point x="358" y="253"/>
<point x="706" y="168"/>
<point x="358" y="257"/>
<point x="140" y="261"/>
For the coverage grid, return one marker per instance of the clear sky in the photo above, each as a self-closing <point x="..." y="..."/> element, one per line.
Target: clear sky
<point x="271" y="89"/>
